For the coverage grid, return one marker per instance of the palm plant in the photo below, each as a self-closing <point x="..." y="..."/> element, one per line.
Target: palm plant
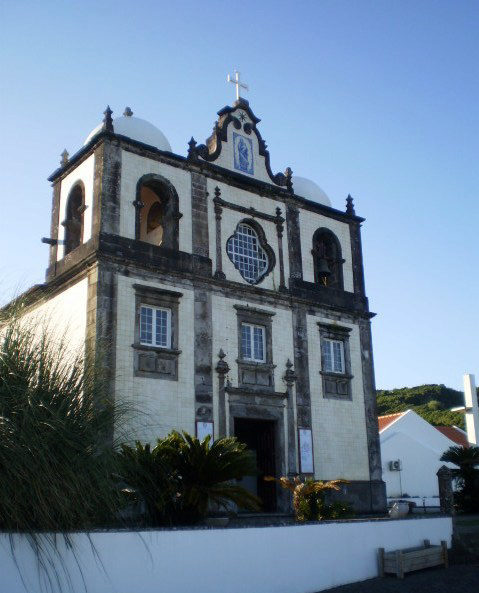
<point x="309" y="498"/>
<point x="181" y="478"/>
<point x="466" y="458"/>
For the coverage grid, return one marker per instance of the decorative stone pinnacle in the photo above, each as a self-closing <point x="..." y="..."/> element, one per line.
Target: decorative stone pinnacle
<point x="192" y="152"/>
<point x="289" y="375"/>
<point x="217" y="192"/>
<point x="222" y="367"/>
<point x="107" y="120"/>
<point x="64" y="159"/>
<point x="128" y="112"/>
<point x="289" y="174"/>
<point x="350" y="206"/>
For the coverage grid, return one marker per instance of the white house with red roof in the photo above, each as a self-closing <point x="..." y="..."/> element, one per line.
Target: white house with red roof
<point x="411" y="449"/>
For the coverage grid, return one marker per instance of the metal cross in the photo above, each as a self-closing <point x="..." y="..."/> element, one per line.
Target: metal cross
<point x="238" y="84"/>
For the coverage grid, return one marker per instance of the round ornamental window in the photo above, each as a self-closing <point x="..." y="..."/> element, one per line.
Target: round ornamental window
<point x="248" y="256"/>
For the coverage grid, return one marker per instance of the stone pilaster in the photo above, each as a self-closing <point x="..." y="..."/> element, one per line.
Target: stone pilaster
<point x="54" y="226"/>
<point x="301" y="364"/>
<point x="279" y="221"/>
<point x="199" y="215"/>
<point x="294" y="242"/>
<point x="203" y="357"/>
<point x="357" y="258"/>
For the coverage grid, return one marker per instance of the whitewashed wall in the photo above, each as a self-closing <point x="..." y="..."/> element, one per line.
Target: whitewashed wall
<point x="419" y="446"/>
<point x="85" y="173"/>
<point x="63" y="316"/>
<point x="132" y="169"/>
<point x="310" y="222"/>
<point x="339" y="425"/>
<point x="296" y="559"/>
<point x="162" y="404"/>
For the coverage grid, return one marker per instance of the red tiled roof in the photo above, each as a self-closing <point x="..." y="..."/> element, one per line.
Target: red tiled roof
<point x="384" y="421"/>
<point x="455" y="435"/>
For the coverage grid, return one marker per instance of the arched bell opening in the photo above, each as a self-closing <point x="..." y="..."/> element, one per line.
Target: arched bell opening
<point x="328" y="261"/>
<point x="157" y="215"/>
<point x="73" y="222"/>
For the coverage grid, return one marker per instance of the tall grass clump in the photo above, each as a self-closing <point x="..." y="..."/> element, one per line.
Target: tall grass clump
<point x="57" y="459"/>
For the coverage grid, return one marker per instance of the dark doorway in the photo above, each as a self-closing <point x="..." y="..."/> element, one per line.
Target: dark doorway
<point x="259" y="435"/>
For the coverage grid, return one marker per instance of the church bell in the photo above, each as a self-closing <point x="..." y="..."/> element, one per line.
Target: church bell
<point x="322" y="269"/>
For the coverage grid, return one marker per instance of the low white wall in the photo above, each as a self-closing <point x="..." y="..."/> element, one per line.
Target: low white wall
<point x="296" y="559"/>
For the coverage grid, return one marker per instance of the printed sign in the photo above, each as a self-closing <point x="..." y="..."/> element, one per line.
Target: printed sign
<point x="306" y="451"/>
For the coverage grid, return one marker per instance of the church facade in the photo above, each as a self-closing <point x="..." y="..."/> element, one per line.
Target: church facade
<point x="222" y="298"/>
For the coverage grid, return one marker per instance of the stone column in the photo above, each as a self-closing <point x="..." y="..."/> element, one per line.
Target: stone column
<point x="301" y="364"/>
<point x="279" y="220"/>
<point x="294" y="242"/>
<point x="199" y="215"/>
<point x="219" y="248"/>
<point x="203" y="357"/>
<point x="222" y="369"/>
<point x="446" y="496"/>
<point x="290" y="379"/>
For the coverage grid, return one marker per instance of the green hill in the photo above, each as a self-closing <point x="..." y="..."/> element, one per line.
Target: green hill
<point x="432" y="402"/>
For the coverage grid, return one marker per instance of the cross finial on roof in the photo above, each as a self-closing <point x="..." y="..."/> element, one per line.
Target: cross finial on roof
<point x="238" y="84"/>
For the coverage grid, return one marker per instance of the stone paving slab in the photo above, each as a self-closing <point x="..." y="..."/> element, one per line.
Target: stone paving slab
<point x="455" y="579"/>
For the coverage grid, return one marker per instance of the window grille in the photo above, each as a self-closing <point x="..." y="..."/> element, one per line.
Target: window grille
<point x="155" y="326"/>
<point x="247" y="254"/>
<point x="333" y="356"/>
<point x="252" y="342"/>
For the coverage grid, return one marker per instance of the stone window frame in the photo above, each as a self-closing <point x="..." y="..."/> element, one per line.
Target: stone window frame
<point x="155" y="308"/>
<point x="69" y="221"/>
<point x="157" y="362"/>
<point x="255" y="375"/>
<point x="263" y="242"/>
<point x="338" y="262"/>
<point x="336" y="385"/>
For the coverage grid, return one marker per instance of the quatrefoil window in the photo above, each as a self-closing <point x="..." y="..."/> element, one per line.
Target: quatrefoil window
<point x="249" y="252"/>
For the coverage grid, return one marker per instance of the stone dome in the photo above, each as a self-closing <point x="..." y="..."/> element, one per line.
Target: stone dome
<point x="306" y="188"/>
<point x="136" y="129"/>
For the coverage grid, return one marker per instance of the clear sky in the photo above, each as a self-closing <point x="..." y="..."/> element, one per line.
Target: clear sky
<point x="378" y="99"/>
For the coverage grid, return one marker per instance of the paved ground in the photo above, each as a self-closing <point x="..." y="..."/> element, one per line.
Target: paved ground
<point x="455" y="579"/>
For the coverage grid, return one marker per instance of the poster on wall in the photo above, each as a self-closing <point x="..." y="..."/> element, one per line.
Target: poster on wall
<point x="203" y="429"/>
<point x="306" y="451"/>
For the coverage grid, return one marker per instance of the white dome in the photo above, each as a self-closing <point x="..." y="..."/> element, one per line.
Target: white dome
<point x="310" y="190"/>
<point x="136" y="129"/>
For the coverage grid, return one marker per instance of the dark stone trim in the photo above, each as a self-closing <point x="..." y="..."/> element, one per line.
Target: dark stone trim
<point x="153" y="290"/>
<point x="256" y="393"/>
<point x="294" y="242"/>
<point x="364" y="496"/>
<point x="110" y="188"/>
<point x="200" y="239"/>
<point x="54" y="223"/>
<point x="301" y="364"/>
<point x="264" y="244"/>
<point x="335" y="329"/>
<point x="203" y="355"/>
<point x="370" y="408"/>
<point x="333" y="297"/>
<point x="249" y="211"/>
<point x="219" y="245"/>
<point x="97" y="189"/>
<point x="339" y="261"/>
<point x="253" y="311"/>
<point x="279" y="220"/>
<point x="222" y="368"/>
<point x="357" y="258"/>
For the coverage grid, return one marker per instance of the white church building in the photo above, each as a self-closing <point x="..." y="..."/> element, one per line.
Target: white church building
<point x="222" y="298"/>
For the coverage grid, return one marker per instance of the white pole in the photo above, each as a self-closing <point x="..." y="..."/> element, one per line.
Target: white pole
<point x="472" y="409"/>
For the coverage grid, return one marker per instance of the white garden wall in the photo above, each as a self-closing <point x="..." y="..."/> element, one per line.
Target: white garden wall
<point x="296" y="559"/>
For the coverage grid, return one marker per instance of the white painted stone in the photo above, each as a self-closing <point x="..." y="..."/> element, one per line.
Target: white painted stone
<point x="472" y="412"/>
<point x="296" y="559"/>
<point x="85" y="173"/>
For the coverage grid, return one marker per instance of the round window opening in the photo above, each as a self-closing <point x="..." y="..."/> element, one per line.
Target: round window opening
<point x="248" y="256"/>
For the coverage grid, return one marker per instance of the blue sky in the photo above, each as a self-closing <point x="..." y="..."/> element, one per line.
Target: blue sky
<point x="378" y="99"/>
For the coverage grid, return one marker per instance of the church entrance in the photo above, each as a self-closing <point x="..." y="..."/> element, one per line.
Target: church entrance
<point x="259" y="436"/>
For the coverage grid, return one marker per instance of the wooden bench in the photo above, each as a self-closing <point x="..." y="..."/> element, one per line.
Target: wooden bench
<point x="401" y="561"/>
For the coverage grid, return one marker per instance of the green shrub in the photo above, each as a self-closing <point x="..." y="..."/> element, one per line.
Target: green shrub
<point x="181" y="478"/>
